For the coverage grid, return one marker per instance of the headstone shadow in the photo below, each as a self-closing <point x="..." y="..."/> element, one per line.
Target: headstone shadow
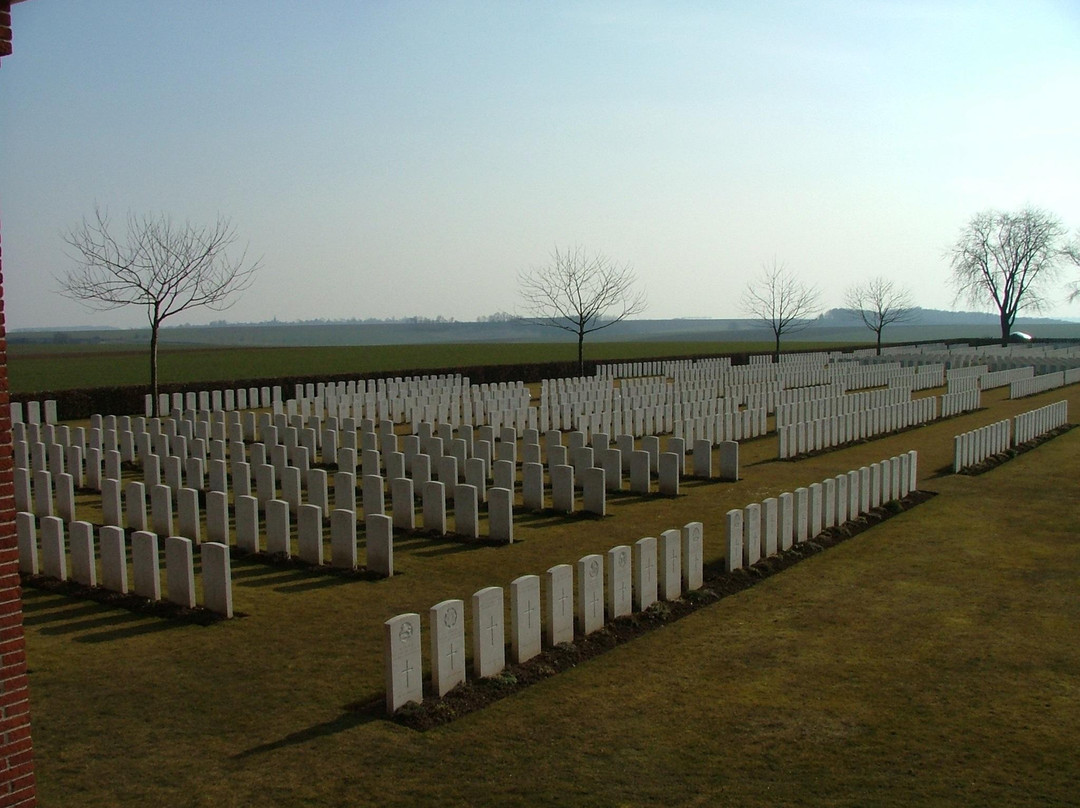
<point x="352" y="716"/>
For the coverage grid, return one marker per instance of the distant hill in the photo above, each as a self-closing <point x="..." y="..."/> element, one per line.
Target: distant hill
<point x="835" y="325"/>
<point x="941" y="317"/>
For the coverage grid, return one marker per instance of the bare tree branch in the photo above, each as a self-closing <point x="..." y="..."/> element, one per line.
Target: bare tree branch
<point x="880" y="303"/>
<point x="1072" y="253"/>
<point x="781" y="301"/>
<point x="580" y="293"/>
<point x="165" y="267"/>
<point x="1007" y="260"/>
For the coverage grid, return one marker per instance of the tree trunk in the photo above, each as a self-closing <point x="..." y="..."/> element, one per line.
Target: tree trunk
<point x="581" y="353"/>
<point x="879" y="342"/>
<point x="153" y="369"/>
<point x="1006" y="327"/>
<point x="776" y="351"/>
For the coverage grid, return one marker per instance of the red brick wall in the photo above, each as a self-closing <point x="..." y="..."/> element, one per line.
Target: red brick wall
<point x="16" y="751"/>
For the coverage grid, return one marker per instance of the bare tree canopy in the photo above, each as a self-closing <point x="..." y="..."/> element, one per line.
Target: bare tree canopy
<point x="880" y="302"/>
<point x="580" y="292"/>
<point x="781" y="301"/>
<point x="1008" y="260"/>
<point x="158" y="264"/>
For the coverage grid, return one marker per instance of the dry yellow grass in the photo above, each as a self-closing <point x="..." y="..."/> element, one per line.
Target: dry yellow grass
<point x="932" y="660"/>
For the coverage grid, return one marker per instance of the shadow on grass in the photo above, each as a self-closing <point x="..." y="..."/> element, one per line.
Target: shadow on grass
<point x="72" y="611"/>
<point x="277" y="578"/>
<point x="314" y="582"/>
<point x="136" y="628"/>
<point x="445" y="548"/>
<point x="353" y="715"/>
<point x="100" y="621"/>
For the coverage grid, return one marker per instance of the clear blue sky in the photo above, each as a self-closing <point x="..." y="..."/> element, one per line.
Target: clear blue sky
<point x="409" y="158"/>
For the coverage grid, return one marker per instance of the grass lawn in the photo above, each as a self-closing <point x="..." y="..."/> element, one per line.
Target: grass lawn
<point x="932" y="660"/>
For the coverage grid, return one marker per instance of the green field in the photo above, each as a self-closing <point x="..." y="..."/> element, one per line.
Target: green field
<point x="39" y="367"/>
<point x="931" y="660"/>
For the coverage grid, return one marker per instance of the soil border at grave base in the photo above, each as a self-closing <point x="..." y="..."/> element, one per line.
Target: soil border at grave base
<point x="476" y="694"/>
<point x="992" y="462"/>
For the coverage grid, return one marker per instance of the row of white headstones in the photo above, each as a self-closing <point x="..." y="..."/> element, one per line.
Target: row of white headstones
<point x="972" y="447"/>
<point x="145" y="561"/>
<point x="1040" y="384"/>
<point x="629" y="579"/>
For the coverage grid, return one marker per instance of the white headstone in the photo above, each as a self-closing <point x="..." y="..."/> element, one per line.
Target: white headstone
<point x="532" y="486"/>
<point x="693" y="552"/>
<point x="247" y="524"/>
<point x="786" y="534"/>
<point x="466" y="511"/>
<point x="801" y="514"/>
<point x="501" y="514"/>
<point x="146" y="565"/>
<point x="81" y="543"/>
<point x="447" y="620"/>
<point x="114" y="559"/>
<point x="560" y="604"/>
<point x="703" y="458"/>
<point x="669" y="463"/>
<point x="489" y="643"/>
<point x="278" y="528"/>
<point x="161" y="510"/>
<point x="729" y="460"/>
<point x="770" y="525"/>
<point x="751" y="534"/>
<point x="524" y="618"/>
<point x="594" y="491"/>
<point x="402" y="503"/>
<point x="217" y="578"/>
<point x="309" y="539"/>
<point x="26" y="530"/>
<point x="640" y="473"/>
<point x="53" y="556"/>
<point x="180" y="571"/>
<point x="590" y="594"/>
<point x="620" y="600"/>
<point x="404" y="663"/>
<point x="434" y="496"/>
<point x="187" y="506"/>
<point x="374" y="500"/>
<point x="562" y="488"/>
<point x="644" y="573"/>
<point x="343" y="539"/>
<point x="734" y="553"/>
<point x="379" y="531"/>
<point x="669" y="570"/>
<point x="815" y="509"/>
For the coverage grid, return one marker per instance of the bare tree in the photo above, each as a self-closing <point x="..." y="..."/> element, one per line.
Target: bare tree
<point x="158" y="264"/>
<point x="581" y="293"/>
<point x="1008" y="260"/>
<point x="1072" y="253"/>
<point x="879" y="303"/>
<point x="781" y="301"/>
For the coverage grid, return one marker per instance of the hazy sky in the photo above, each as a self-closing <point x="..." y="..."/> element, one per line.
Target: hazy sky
<point x="404" y="158"/>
